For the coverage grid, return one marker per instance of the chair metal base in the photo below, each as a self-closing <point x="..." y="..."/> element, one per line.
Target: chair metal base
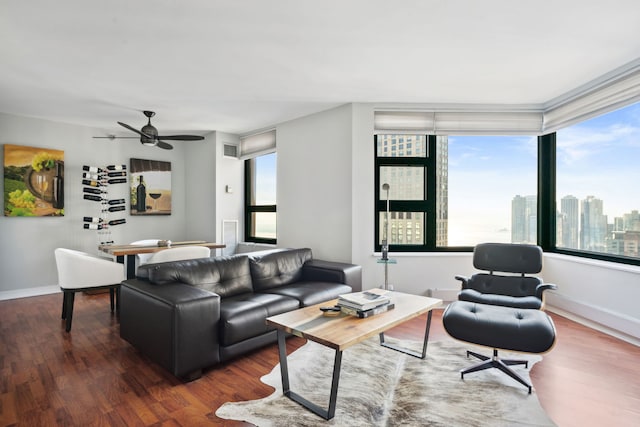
<point x="496" y="362"/>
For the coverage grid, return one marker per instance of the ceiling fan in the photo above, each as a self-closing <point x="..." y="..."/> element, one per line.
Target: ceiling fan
<point x="149" y="134"/>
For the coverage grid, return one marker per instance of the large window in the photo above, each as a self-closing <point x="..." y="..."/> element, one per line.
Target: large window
<point x="597" y="191"/>
<point x="456" y="191"/>
<point x="492" y="190"/>
<point x="260" y="199"/>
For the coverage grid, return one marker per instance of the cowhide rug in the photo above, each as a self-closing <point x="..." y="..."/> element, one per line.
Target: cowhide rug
<point x="382" y="387"/>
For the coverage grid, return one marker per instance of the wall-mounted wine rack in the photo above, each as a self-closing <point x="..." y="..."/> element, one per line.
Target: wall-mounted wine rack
<point x="95" y="188"/>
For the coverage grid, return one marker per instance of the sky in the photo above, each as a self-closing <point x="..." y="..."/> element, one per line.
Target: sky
<point x="601" y="157"/>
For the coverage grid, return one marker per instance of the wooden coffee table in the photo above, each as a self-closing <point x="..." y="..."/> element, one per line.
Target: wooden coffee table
<point x="343" y="331"/>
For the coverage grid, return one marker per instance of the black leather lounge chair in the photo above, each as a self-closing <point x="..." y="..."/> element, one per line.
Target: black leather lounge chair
<point x="501" y="309"/>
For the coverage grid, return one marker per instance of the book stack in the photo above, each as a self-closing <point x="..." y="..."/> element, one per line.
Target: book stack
<point x="366" y="303"/>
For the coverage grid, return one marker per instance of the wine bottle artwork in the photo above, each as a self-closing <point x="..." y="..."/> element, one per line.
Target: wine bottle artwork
<point x="33" y="181"/>
<point x="141" y="195"/>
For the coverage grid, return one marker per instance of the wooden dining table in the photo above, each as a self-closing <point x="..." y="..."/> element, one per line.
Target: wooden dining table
<point x="128" y="252"/>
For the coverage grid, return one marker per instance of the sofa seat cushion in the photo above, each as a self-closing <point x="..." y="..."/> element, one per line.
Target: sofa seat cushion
<point x="243" y="316"/>
<point x="310" y="293"/>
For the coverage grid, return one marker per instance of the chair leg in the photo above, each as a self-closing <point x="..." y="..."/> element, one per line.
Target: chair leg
<point x="64" y="305"/>
<point x="496" y="362"/>
<point x="70" y="296"/>
<point x="111" y="298"/>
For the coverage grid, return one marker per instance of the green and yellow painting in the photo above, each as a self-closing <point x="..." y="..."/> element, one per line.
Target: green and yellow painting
<point x="33" y="181"/>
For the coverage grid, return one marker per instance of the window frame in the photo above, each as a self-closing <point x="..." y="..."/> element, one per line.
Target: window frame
<point x="250" y="209"/>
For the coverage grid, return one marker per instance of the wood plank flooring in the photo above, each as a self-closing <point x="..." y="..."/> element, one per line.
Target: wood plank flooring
<point x="92" y="377"/>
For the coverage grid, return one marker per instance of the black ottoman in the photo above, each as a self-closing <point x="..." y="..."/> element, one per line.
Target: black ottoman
<point x="516" y="329"/>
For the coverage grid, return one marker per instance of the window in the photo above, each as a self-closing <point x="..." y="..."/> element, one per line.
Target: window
<point x="597" y="192"/>
<point x="492" y="190"/>
<point x="260" y="199"/>
<point x="453" y="192"/>
<point x="406" y="174"/>
<point x="574" y="191"/>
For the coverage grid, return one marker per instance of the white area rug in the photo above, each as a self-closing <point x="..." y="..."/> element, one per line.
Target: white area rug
<point x="382" y="387"/>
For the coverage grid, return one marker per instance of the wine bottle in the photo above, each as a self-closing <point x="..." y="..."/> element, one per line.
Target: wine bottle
<point x="91" y="183"/>
<point x="58" y="188"/>
<point x="117" y="221"/>
<point x="114" y="208"/>
<point x="115" y="201"/>
<point x="92" y="226"/>
<point x="92" y="197"/>
<point x="117" y="180"/>
<point x="89" y="175"/>
<point x="93" y="219"/>
<point x="141" y="196"/>
<point x="92" y="190"/>
<point x="117" y="167"/>
<point x="117" y="173"/>
<point x="92" y="169"/>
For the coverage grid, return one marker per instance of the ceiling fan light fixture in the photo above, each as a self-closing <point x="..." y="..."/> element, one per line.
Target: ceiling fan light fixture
<point x="148" y="142"/>
<point x="150" y="138"/>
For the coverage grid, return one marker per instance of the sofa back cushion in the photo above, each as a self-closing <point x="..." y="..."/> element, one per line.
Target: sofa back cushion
<point x="225" y="276"/>
<point x="278" y="268"/>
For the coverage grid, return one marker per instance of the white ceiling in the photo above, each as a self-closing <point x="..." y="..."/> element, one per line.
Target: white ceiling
<point x="237" y="66"/>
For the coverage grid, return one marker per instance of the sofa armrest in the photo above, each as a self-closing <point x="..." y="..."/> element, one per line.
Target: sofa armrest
<point x="330" y="271"/>
<point x="175" y="325"/>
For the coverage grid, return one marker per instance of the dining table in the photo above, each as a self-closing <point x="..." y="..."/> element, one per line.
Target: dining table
<point x="128" y="252"/>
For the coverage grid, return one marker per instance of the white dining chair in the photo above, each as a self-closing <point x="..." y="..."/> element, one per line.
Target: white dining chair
<point x="144" y="258"/>
<point x="79" y="271"/>
<point x="179" y="253"/>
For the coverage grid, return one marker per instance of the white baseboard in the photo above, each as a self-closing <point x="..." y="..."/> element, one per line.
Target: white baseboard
<point x="618" y="325"/>
<point x="29" y="292"/>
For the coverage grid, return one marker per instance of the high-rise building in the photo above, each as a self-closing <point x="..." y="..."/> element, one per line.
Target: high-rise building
<point x="569" y="209"/>
<point x="631" y="221"/>
<point x="593" y="225"/>
<point x="524" y="216"/>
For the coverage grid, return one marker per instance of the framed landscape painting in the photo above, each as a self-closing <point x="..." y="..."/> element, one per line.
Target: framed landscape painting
<point x="150" y="187"/>
<point x="33" y="181"/>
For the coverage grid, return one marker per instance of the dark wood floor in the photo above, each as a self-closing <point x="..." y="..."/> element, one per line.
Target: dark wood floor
<point x="91" y="377"/>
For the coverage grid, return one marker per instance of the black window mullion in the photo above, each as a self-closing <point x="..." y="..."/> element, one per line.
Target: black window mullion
<point x="547" y="191"/>
<point x="380" y="203"/>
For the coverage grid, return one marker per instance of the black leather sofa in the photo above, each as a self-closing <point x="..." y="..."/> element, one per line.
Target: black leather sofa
<point x="192" y="314"/>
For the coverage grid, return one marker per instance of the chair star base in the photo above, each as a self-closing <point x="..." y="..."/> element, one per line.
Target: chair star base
<point x="496" y="362"/>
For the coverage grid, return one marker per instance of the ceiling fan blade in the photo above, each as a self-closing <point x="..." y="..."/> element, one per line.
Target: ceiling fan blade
<point x="181" y="137"/>
<point x="115" y="137"/>
<point x="164" y="145"/>
<point x="135" y="130"/>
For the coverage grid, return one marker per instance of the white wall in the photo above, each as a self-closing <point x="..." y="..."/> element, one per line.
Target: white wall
<point x="314" y="190"/>
<point x="26" y="250"/>
<point x="229" y="173"/>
